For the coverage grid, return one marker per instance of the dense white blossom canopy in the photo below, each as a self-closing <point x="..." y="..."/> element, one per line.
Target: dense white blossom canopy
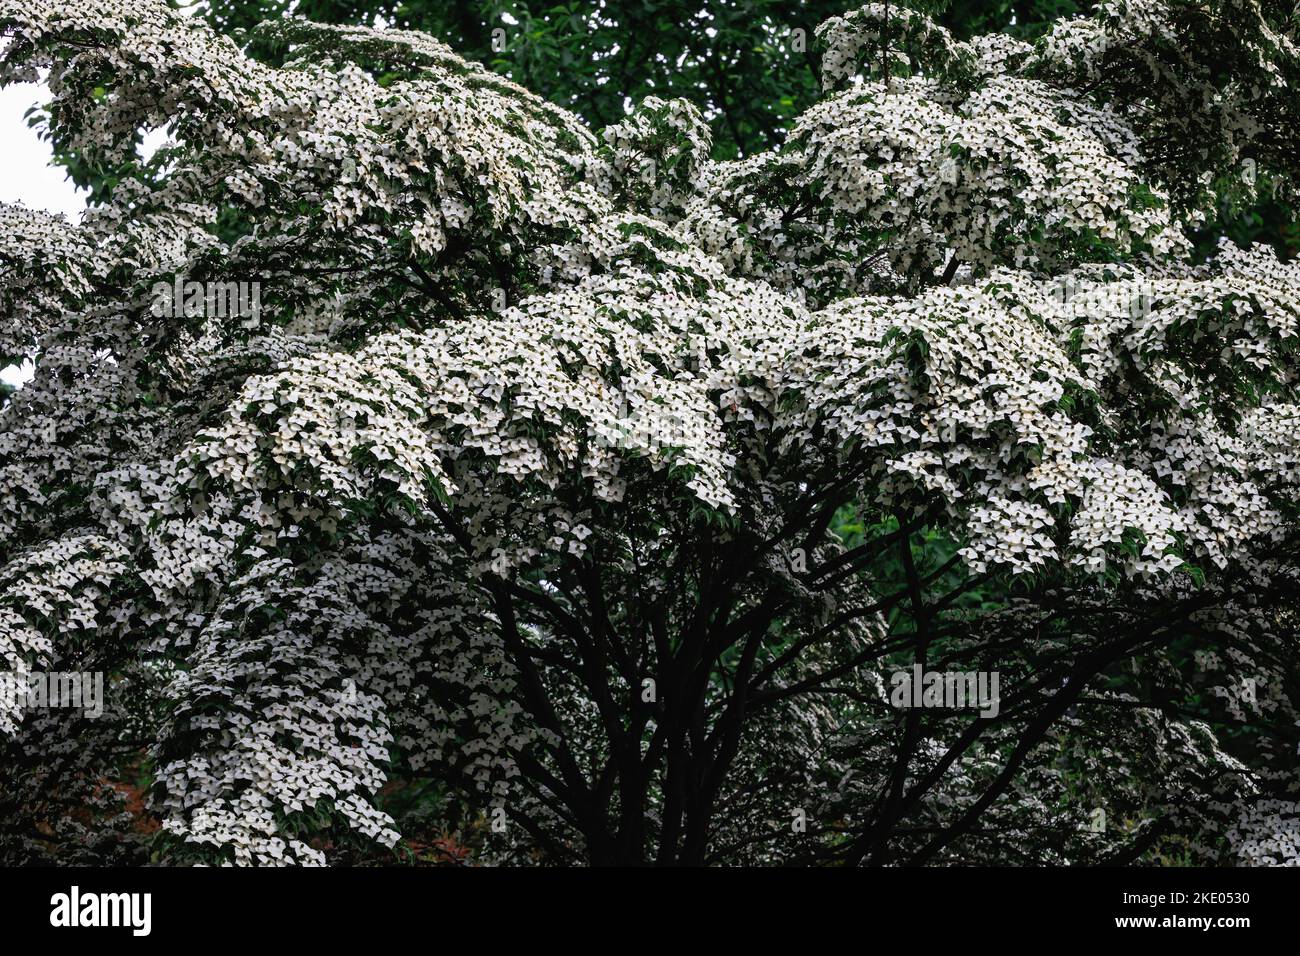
<point x="496" y="351"/>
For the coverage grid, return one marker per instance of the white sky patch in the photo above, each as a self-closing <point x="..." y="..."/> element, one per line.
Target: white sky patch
<point x="152" y="140"/>
<point x="17" y="375"/>
<point x="26" y="172"/>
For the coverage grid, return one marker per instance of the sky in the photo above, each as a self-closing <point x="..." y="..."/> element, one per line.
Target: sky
<point x="25" y="171"/>
<point x="27" y="176"/>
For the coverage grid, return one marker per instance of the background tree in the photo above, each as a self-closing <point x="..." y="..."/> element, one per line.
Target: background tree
<point x="750" y="67"/>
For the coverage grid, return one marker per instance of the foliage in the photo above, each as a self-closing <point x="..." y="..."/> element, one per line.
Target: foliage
<point x="607" y="481"/>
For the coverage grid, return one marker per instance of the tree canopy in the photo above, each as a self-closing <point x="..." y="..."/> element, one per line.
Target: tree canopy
<point x="605" y="475"/>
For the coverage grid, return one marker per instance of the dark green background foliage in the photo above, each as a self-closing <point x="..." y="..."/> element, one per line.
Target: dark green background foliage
<point x="738" y="60"/>
<point x="743" y="62"/>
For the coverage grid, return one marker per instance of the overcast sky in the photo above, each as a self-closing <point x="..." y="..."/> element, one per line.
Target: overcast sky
<point x="25" y="171"/>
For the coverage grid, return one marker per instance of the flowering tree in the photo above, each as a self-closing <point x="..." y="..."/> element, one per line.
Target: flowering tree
<point x="607" y="484"/>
